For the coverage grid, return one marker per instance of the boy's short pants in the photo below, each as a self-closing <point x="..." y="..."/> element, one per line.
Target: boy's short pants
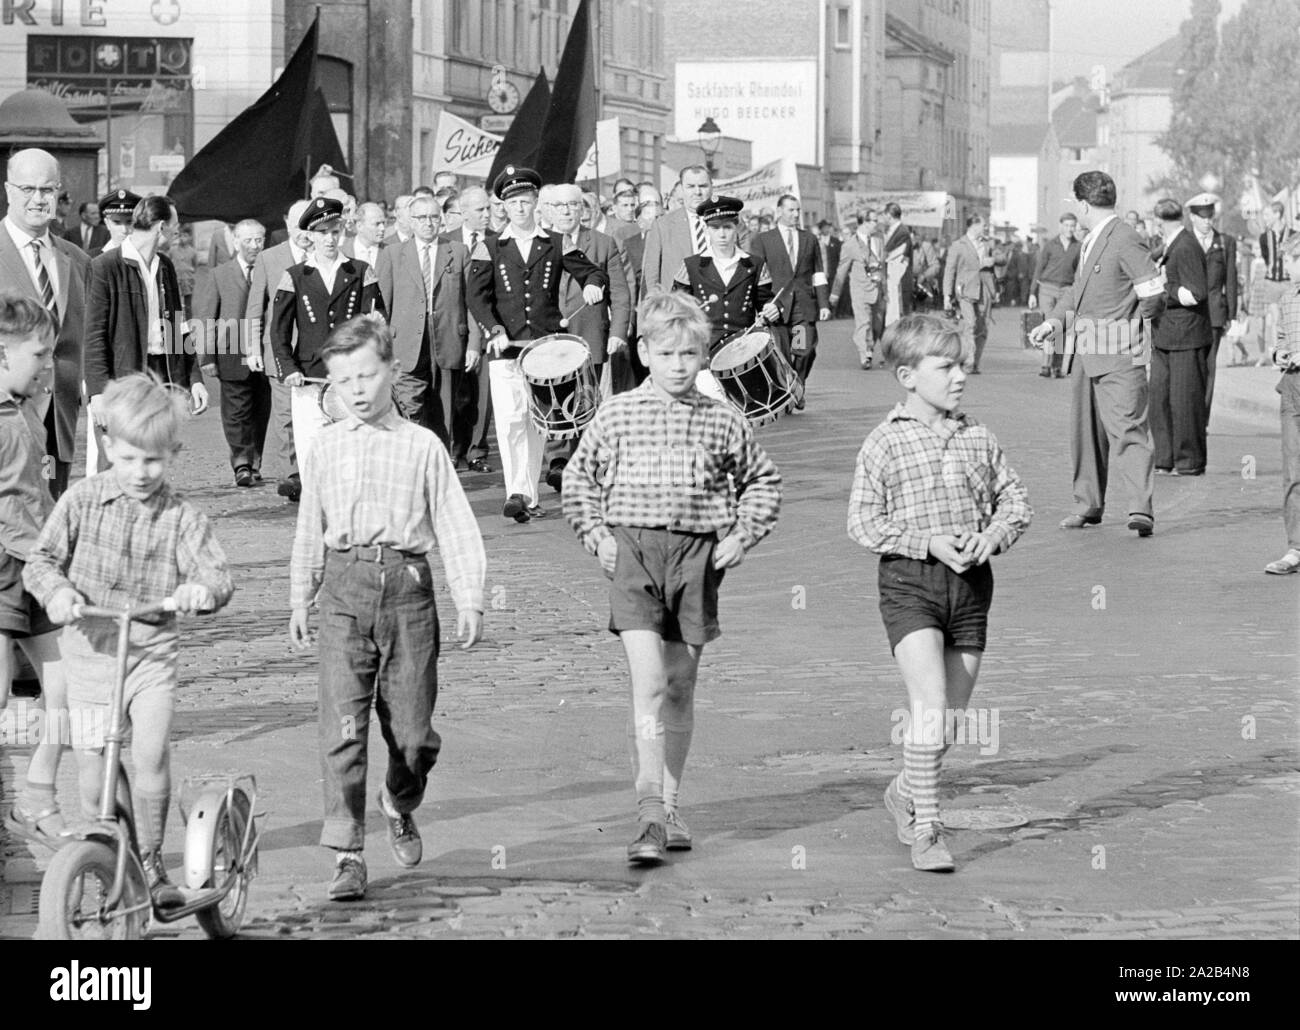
<point x="917" y="594"/>
<point x="89" y="651"/>
<point x="20" y="615"/>
<point x="665" y="582"/>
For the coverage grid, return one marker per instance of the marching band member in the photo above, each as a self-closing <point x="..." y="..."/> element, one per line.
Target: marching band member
<point x="515" y="295"/>
<point x="314" y="297"/>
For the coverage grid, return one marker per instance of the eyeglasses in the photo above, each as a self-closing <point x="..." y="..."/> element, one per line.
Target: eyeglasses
<point x="566" y="203"/>
<point x="424" y="218"/>
<point x="44" y="191"/>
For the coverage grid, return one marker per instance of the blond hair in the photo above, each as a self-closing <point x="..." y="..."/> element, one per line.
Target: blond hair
<point x="913" y="338"/>
<point x="675" y="315"/>
<point x="144" y="412"/>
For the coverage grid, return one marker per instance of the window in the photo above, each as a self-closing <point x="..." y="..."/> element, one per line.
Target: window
<point x="843" y="28"/>
<point x="335" y="78"/>
<point x="485" y="27"/>
<point x="426" y="156"/>
<point x="460" y="26"/>
<point x="426" y="25"/>
<point x="503" y="30"/>
<point x="523" y="36"/>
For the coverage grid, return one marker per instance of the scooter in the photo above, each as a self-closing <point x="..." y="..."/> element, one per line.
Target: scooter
<point x="95" y="886"/>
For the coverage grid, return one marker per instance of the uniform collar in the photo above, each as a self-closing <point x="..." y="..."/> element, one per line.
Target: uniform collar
<point x="511" y="233"/>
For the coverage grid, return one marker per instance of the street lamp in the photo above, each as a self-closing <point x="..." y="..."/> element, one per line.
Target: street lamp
<point x="710" y="140"/>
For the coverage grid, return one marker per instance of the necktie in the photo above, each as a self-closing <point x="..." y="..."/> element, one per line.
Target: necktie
<point x="792" y="246"/>
<point x="427" y="270"/>
<point x="700" y="242"/>
<point x="43" y="282"/>
<point x="473" y="243"/>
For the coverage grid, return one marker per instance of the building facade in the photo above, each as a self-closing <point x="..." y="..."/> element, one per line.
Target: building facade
<point x="154" y="79"/>
<point x="916" y="92"/>
<point x="1141" y="105"/>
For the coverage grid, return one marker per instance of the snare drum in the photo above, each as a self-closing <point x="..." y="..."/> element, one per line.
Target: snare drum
<point x="562" y="388"/>
<point x="756" y="376"/>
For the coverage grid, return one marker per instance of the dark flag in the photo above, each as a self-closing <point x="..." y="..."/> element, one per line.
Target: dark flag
<point x="525" y="133"/>
<point x="570" y="125"/>
<point x="257" y="166"/>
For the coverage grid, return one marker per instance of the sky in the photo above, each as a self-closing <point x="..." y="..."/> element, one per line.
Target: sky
<point x="1113" y="32"/>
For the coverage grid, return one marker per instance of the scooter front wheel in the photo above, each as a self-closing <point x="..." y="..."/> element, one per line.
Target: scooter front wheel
<point x="74" y="896"/>
<point x="223" y="860"/>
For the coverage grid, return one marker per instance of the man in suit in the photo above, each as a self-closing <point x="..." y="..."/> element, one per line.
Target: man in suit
<point x="314" y="298"/>
<point x="135" y="321"/>
<point x="968" y="286"/>
<point x="862" y="264"/>
<point x="89" y="233"/>
<point x="221" y="306"/>
<point x="367" y="244"/>
<point x="1220" y="252"/>
<point x="1054" y="272"/>
<point x="222" y="247"/>
<point x="38" y="264"/>
<point x="1182" y="347"/>
<point x="268" y="269"/>
<point x="515" y="295"/>
<point x="474" y="405"/>
<point x="422" y="282"/>
<point x="1116" y="292"/>
<point x="900" y="281"/>
<point x="604" y="326"/>
<point x="800" y="297"/>
<point x="623" y="223"/>
<point x="679" y="233"/>
<point x="830" y="246"/>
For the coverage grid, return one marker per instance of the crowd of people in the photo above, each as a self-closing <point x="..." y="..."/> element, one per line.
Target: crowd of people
<point x="378" y="343"/>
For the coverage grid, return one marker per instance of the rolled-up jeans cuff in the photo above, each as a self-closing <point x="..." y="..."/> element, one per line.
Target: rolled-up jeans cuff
<point x="342" y="835"/>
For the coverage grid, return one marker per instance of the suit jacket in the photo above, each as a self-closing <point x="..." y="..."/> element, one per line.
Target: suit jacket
<point x="634" y="252"/>
<point x="476" y="338"/>
<point x="221" y="305"/>
<point x="964" y="276"/>
<point x="98" y="237"/>
<point x="831" y="261"/>
<point x="1107" y="310"/>
<point x="302" y="301"/>
<point x="612" y="316"/>
<point x="401" y="283"/>
<point x="268" y="269"/>
<point x="898" y="265"/>
<point x="117" y="329"/>
<point x="1221" y="274"/>
<point x="668" y="243"/>
<point x="800" y="290"/>
<point x="733" y="306"/>
<point x="523" y="297"/>
<point x="1184" y="327"/>
<point x="72" y="269"/>
<point x="349" y="249"/>
<point x="863" y="265"/>
<point x="219" y="250"/>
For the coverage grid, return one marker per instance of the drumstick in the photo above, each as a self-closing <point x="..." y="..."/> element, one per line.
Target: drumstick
<point x="564" y="322"/>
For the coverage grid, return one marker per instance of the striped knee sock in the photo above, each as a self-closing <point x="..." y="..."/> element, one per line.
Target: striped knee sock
<point x="921" y="769"/>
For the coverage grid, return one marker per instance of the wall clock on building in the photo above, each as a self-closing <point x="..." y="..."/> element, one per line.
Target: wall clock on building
<point x="503" y="97"/>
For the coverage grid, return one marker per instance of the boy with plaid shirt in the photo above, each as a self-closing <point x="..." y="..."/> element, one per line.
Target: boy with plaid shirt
<point x="933" y="495"/>
<point x="669" y="490"/>
<point x="379" y="493"/>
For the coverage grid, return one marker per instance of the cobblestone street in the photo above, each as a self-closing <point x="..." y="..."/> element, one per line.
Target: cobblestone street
<point x="1134" y="772"/>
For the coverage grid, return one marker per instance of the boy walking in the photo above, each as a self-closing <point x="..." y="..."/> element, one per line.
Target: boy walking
<point x="119" y="538"/>
<point x="1286" y="359"/>
<point x="26" y="361"/>
<point x="933" y="495"/>
<point x="379" y="492"/>
<point x="669" y="490"/>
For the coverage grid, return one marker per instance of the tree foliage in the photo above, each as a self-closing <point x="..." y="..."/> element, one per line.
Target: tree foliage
<point x="1236" y="108"/>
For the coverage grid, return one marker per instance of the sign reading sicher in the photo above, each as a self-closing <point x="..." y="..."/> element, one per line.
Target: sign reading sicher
<point x="773" y="103"/>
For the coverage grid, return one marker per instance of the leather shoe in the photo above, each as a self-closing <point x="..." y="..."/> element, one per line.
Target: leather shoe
<point x="290" y="488"/>
<point x="1045" y="373"/>
<point x="1164" y="472"/>
<point x="1143" y="525"/>
<point x="479" y="465"/>
<point x="555" y="476"/>
<point x="536" y="511"/>
<point x="516" y="508"/>
<point x="1080" y="521"/>
<point x="349" y="883"/>
<point x="243" y="476"/>
<point x="1189" y="472"/>
<point x="403" y="835"/>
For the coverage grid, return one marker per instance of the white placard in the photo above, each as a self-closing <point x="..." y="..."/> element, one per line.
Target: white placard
<point x="773" y="103"/>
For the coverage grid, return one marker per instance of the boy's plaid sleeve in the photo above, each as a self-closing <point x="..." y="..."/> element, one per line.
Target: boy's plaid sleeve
<point x="45" y="572"/>
<point x="200" y="559"/>
<point x="582" y="494"/>
<point x="869" y="517"/>
<point x="1011" y="511"/>
<point x="758" y="489"/>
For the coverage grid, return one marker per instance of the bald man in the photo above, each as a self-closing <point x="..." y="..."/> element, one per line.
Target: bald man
<point x="369" y="240"/>
<point x="38" y="264"/>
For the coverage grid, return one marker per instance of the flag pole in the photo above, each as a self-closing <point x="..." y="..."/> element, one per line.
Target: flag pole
<point x="599" y="72"/>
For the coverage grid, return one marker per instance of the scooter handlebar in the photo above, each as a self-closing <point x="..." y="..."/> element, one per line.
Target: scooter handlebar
<point x="81" y="611"/>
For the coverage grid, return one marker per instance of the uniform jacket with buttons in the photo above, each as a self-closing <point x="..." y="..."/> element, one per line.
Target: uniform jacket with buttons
<point x="301" y="302"/>
<point x="1221" y="274"/>
<point x="732" y="307"/>
<point x="523" y="297"/>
